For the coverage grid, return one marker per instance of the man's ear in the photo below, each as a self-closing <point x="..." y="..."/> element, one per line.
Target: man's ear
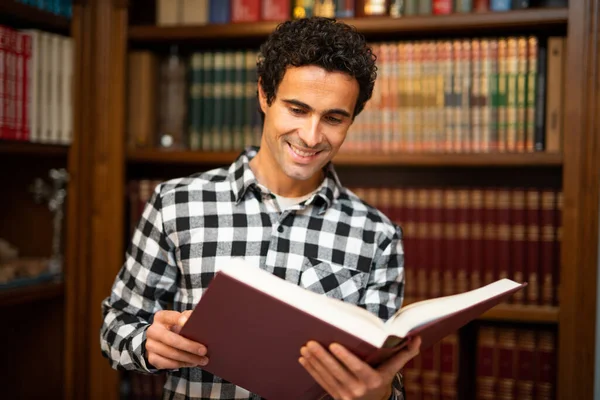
<point x="262" y="97"/>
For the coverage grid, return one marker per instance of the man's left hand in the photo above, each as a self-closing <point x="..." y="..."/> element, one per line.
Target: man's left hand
<point x="345" y="377"/>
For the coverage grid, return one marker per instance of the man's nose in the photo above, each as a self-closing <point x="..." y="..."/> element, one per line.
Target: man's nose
<point x="310" y="132"/>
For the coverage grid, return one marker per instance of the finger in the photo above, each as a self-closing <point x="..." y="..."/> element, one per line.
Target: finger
<point x="317" y="377"/>
<point x="183" y="318"/>
<point x="160" y="362"/>
<point x="362" y="371"/>
<point x="153" y="346"/>
<point x="396" y="363"/>
<point x="167" y="317"/>
<point x="330" y="363"/>
<point x="172" y="339"/>
<point x="325" y="378"/>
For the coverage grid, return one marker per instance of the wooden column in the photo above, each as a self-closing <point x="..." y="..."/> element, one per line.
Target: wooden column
<point x="95" y="214"/>
<point x="577" y="333"/>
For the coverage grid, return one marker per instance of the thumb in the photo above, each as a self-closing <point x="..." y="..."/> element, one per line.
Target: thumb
<point x="184" y="317"/>
<point x="398" y="361"/>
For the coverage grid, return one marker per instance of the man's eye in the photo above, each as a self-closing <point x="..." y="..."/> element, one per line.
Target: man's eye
<point x="333" y="120"/>
<point x="297" y="111"/>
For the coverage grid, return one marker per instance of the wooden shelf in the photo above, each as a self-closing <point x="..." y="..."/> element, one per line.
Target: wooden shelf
<point x="407" y="159"/>
<point x="536" y="19"/>
<point x="507" y="312"/>
<point x="29" y="294"/>
<point x="19" y="15"/>
<point x="14" y="147"/>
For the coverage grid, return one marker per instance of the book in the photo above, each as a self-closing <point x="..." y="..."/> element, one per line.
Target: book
<point x="254" y="323"/>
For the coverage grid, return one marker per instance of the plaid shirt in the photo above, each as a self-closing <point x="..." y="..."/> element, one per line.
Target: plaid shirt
<point x="331" y="243"/>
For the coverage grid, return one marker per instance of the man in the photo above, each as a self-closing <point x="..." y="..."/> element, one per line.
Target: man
<point x="282" y="208"/>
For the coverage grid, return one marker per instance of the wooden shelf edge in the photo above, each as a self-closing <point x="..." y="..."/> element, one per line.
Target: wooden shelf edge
<point x="519" y="313"/>
<point x="26" y="16"/>
<point x="15" y="147"/>
<point x="31" y="293"/>
<point x="349" y="159"/>
<point x="457" y="22"/>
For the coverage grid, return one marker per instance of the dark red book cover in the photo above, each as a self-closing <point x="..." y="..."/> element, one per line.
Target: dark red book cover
<point x="450" y="241"/>
<point x="26" y="82"/>
<point x="533" y="245"/>
<point x="254" y="339"/>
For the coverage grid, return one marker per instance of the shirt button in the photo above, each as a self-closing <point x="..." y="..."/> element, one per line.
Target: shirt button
<point x="280" y="229"/>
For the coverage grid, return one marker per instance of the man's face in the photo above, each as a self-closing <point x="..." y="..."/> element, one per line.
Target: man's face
<point x="308" y="120"/>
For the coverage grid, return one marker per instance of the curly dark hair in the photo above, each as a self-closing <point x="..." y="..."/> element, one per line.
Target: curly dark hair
<point x="324" y="42"/>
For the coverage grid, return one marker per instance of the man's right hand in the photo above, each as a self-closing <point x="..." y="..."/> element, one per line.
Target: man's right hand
<point x="166" y="349"/>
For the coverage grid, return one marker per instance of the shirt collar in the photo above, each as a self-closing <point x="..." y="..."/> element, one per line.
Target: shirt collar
<point x="242" y="178"/>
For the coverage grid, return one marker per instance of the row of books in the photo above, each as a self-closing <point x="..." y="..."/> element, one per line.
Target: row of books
<point x="199" y="12"/>
<point x="464" y="95"/>
<point x="36" y="73"/>
<point x="58" y="7"/>
<point x="457" y="239"/>
<point x="460" y="239"/>
<point x="470" y="95"/>
<point x="511" y="364"/>
<point x="516" y="363"/>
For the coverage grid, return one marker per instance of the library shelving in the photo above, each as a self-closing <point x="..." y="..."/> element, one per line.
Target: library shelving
<point x="105" y="31"/>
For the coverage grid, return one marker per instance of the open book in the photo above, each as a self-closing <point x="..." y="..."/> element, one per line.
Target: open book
<point x="254" y="324"/>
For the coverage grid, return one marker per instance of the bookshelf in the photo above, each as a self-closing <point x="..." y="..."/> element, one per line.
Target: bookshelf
<point x="20" y="15"/>
<point x="33" y="149"/>
<point x="31" y="293"/>
<point x="106" y="30"/>
<point x="33" y="312"/>
<point x="536" y="20"/>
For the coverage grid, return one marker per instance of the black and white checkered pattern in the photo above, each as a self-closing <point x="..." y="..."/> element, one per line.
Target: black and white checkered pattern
<point x="332" y="243"/>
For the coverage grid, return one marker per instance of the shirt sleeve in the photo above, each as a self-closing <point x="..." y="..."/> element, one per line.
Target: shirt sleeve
<point x="145" y="284"/>
<point x="385" y="287"/>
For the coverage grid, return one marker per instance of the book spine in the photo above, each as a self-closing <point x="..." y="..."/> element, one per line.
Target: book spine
<point x="245" y="10"/>
<point x="275" y="10"/>
<point x="525" y="350"/>
<point x="507" y="366"/>
<point x="547" y="243"/>
<point x="521" y="94"/>
<point x="533" y="245"/>
<point x="487" y="364"/>
<point x="477" y="233"/>
<point x="450" y="222"/>
<point x="518" y="240"/>
<point x="463" y="240"/>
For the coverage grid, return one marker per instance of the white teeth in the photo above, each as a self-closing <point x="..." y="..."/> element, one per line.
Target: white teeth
<point x="302" y="153"/>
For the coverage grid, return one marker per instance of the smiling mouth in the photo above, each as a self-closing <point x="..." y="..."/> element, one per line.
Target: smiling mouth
<point x="302" y="153"/>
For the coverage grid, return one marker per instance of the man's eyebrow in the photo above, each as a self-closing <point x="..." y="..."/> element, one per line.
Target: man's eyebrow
<point x="306" y="106"/>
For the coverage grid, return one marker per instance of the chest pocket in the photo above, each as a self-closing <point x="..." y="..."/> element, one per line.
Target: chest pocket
<point x="333" y="281"/>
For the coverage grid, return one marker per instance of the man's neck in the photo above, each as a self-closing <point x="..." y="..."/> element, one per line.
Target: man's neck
<point x="269" y="174"/>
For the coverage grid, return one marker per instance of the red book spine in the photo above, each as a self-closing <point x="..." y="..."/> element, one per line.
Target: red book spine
<point x="547" y="244"/>
<point x="430" y="370"/>
<point x="490" y="236"/>
<point x="476" y="249"/>
<point x="450" y="203"/>
<point x="546" y="368"/>
<point x="507" y="366"/>
<point x="533" y="246"/>
<point x="526" y="364"/>
<point x="245" y="10"/>
<point x="482" y="5"/>
<point x="437" y="239"/>
<point x="25" y="94"/>
<point x="464" y="266"/>
<point x="275" y="10"/>
<point x="423" y="267"/>
<point x="442" y="7"/>
<point x="487" y="364"/>
<point x="504" y="228"/>
<point x="412" y="260"/>
<point x="557" y="245"/>
<point x="3" y="77"/>
<point x="517" y="243"/>
<point x="18" y="84"/>
<point x="449" y="367"/>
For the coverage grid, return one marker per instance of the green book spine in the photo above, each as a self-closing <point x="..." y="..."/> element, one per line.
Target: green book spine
<point x="195" y="101"/>
<point x="219" y="110"/>
<point x="238" y="100"/>
<point x="208" y="100"/>
<point x="228" y="110"/>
